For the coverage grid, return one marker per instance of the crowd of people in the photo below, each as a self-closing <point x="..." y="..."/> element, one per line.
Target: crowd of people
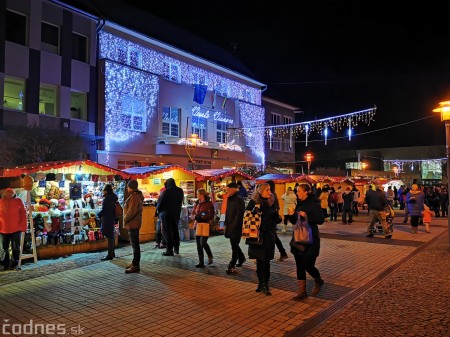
<point x="304" y="202"/>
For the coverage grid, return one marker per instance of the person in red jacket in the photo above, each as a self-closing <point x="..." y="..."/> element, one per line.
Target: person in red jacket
<point x="13" y="221"/>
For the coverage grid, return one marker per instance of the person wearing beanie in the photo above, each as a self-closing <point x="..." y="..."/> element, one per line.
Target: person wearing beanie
<point x="264" y="253"/>
<point x="132" y="221"/>
<point x="234" y="214"/>
<point x="415" y="203"/>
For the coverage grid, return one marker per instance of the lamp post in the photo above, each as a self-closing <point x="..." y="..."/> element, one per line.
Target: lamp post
<point x="444" y="110"/>
<point x="309" y="157"/>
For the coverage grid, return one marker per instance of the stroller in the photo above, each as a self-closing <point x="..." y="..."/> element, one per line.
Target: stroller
<point x="389" y="220"/>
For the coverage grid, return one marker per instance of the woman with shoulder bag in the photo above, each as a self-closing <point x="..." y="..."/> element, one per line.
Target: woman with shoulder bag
<point x="269" y="220"/>
<point x="308" y="207"/>
<point x="202" y="213"/>
<point x="108" y="218"/>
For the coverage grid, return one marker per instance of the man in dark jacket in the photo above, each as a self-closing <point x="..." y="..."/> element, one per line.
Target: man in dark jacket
<point x="234" y="216"/>
<point x="377" y="201"/>
<point x="169" y="210"/>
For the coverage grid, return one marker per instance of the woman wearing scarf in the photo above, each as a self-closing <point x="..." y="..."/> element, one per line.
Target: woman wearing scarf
<point x="265" y="252"/>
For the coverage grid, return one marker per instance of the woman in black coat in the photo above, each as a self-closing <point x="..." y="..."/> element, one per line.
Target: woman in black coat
<point x="265" y="252"/>
<point x="108" y="218"/>
<point x="308" y="207"/>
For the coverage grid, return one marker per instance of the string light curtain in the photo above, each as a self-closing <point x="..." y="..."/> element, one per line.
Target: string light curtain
<point x="320" y="126"/>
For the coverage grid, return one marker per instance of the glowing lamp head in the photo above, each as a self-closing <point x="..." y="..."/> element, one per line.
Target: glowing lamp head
<point x="444" y="109"/>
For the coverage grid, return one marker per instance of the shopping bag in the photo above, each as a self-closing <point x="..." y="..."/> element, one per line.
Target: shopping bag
<point x="251" y="223"/>
<point x="202" y="229"/>
<point x="302" y="232"/>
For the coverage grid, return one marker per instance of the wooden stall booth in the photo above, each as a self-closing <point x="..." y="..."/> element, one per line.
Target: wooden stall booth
<point x="215" y="181"/>
<point x="63" y="203"/>
<point x="151" y="180"/>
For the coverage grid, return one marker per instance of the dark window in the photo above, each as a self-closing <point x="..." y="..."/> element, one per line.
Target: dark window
<point x="50" y="38"/>
<point x="79" y="47"/>
<point x="16" y="27"/>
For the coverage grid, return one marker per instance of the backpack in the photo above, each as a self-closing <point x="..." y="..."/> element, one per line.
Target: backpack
<point x="333" y="198"/>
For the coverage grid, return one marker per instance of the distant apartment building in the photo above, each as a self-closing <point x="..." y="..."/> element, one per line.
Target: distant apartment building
<point x="280" y="141"/>
<point x="48" y="69"/>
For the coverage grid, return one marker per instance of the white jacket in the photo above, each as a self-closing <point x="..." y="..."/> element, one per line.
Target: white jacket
<point x="290" y="201"/>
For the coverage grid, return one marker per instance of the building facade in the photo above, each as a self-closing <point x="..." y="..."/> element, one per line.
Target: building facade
<point x="48" y="69"/>
<point x="280" y="142"/>
<point x="163" y="105"/>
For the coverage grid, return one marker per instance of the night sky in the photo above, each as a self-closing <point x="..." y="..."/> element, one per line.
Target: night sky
<point x="328" y="58"/>
<point x="334" y="57"/>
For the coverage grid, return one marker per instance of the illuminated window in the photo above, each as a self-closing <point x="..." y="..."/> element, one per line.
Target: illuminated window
<point x="221" y="135"/>
<point x="199" y="78"/>
<point x="78" y="105"/>
<point x="222" y="88"/>
<point x="47" y="100"/>
<point x="14" y="94"/>
<point x="50" y="38"/>
<point x="199" y="126"/>
<point x="133" y="116"/>
<point x="171" y="72"/>
<point x="17" y="27"/>
<point x="79" y="47"/>
<point x="171" y="121"/>
<point x="134" y="57"/>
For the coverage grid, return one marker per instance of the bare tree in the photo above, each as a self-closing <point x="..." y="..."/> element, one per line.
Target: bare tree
<point x="32" y="144"/>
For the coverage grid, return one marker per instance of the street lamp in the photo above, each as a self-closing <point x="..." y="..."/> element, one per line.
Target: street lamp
<point x="363" y="165"/>
<point x="444" y="109"/>
<point x="309" y="157"/>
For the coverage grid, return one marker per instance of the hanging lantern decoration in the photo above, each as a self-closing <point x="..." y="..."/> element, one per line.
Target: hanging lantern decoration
<point x="306" y="133"/>
<point x="325" y="132"/>
<point x="349" y="129"/>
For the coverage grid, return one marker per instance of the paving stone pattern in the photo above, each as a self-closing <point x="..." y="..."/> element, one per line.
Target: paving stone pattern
<point x="373" y="287"/>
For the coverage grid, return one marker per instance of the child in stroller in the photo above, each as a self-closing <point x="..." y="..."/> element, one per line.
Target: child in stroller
<point x="389" y="220"/>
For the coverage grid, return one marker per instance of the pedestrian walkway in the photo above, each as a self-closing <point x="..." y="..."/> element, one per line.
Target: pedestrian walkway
<point x="373" y="287"/>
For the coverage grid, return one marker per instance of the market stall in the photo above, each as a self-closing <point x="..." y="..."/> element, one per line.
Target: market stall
<point x="151" y="180"/>
<point x="216" y="180"/>
<point x="64" y="200"/>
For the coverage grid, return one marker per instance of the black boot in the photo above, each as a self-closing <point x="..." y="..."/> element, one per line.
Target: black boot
<point x="111" y="253"/>
<point x="265" y="288"/>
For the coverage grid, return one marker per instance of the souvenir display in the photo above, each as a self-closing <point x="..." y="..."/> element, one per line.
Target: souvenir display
<point x="65" y="210"/>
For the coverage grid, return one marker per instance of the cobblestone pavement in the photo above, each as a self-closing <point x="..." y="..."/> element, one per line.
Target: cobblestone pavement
<point x="373" y="287"/>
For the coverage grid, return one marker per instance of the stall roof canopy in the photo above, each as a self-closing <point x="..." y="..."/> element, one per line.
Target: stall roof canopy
<point x="146" y="171"/>
<point x="56" y="165"/>
<point x="285" y="178"/>
<point x="214" y="174"/>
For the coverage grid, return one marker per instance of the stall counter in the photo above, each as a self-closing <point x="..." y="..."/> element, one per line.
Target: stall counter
<point x="148" y="227"/>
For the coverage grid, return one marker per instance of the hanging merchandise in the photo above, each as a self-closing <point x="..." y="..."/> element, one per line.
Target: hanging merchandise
<point x="42" y="183"/>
